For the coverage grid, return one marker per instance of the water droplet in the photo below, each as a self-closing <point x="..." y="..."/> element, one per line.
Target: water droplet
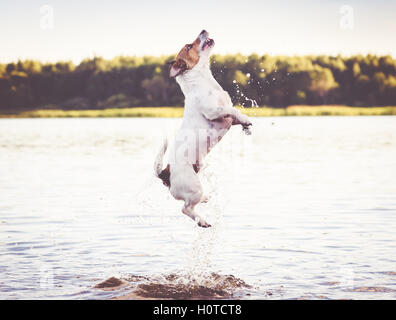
<point x="233" y="81"/>
<point x="262" y="70"/>
<point x="248" y="75"/>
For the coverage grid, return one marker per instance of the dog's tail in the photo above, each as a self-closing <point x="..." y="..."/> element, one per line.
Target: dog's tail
<point x="163" y="174"/>
<point x="159" y="159"/>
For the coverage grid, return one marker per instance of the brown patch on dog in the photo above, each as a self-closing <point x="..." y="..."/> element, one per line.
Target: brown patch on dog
<point x="186" y="59"/>
<point x="165" y="176"/>
<point x="177" y="67"/>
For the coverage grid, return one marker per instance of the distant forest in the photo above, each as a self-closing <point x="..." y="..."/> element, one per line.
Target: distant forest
<point x="276" y="81"/>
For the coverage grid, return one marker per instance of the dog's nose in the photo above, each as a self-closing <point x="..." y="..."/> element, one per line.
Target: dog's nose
<point x="203" y="32"/>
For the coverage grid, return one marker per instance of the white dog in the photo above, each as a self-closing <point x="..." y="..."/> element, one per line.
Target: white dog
<point x="208" y="115"/>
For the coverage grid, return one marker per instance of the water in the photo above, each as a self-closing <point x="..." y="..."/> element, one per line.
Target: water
<point x="304" y="208"/>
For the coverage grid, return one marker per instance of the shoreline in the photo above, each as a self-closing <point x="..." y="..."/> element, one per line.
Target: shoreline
<point x="177" y="112"/>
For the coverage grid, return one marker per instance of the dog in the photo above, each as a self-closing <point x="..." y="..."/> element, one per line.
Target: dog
<point x="208" y="115"/>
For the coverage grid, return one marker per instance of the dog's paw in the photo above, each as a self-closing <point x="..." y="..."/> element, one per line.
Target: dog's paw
<point x="202" y="223"/>
<point x="205" y="198"/>
<point x="247" y="131"/>
<point x="245" y="121"/>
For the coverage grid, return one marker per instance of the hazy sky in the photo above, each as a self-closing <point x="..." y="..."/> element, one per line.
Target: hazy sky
<point x="108" y="28"/>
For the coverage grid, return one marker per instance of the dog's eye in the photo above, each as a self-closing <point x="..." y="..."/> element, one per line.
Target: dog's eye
<point x="189" y="46"/>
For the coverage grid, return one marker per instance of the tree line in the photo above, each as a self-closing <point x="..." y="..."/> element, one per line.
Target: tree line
<point x="276" y="81"/>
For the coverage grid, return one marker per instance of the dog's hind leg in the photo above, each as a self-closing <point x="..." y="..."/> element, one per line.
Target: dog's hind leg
<point x="188" y="209"/>
<point x="187" y="187"/>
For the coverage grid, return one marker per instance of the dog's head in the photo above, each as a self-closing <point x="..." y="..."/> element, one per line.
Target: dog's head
<point x="191" y="54"/>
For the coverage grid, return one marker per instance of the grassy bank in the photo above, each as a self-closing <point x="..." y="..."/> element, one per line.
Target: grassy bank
<point x="174" y="112"/>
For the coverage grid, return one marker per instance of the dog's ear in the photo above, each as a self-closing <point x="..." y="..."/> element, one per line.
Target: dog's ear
<point x="177" y="67"/>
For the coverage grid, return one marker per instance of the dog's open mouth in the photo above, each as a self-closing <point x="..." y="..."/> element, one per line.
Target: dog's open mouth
<point x="208" y="43"/>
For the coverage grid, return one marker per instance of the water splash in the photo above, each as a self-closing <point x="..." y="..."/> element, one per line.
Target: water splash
<point x="178" y="286"/>
<point x="243" y="95"/>
<point x="253" y="102"/>
<point x="206" y="241"/>
<point x="196" y="277"/>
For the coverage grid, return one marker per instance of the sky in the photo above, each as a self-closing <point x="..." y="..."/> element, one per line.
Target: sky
<point x="82" y="29"/>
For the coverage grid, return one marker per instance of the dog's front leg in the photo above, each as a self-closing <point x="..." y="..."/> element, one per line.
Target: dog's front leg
<point x="245" y="125"/>
<point x="221" y="112"/>
<point x="236" y="116"/>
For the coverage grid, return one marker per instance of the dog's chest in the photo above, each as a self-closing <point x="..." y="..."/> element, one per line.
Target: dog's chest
<point x="204" y="97"/>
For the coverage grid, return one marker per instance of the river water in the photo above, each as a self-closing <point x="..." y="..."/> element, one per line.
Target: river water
<point x="304" y="208"/>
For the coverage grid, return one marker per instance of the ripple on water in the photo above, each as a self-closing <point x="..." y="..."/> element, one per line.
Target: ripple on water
<point x="371" y="289"/>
